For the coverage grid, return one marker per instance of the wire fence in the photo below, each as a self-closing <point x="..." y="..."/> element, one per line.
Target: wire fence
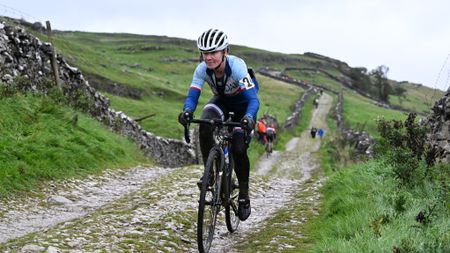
<point x="443" y="77"/>
<point x="442" y="80"/>
<point x="15" y="13"/>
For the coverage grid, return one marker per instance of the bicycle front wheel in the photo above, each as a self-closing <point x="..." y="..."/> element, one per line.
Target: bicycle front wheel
<point x="209" y="203"/>
<point x="232" y="194"/>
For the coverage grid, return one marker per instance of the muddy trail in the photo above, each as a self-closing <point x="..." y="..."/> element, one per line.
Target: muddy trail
<point x="155" y="209"/>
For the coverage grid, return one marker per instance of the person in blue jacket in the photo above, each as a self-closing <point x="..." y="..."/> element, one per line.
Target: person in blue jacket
<point x="234" y="91"/>
<point x="321" y="133"/>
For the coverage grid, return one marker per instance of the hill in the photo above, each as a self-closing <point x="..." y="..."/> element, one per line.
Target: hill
<point x="140" y="72"/>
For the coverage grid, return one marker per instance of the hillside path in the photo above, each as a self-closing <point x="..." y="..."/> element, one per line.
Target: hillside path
<point x="153" y="209"/>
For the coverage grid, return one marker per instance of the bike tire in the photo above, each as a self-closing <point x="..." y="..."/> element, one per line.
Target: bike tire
<point x="209" y="202"/>
<point x="231" y="195"/>
<point x="268" y="148"/>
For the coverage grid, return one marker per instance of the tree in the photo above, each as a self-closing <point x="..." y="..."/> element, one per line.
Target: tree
<point x="381" y="82"/>
<point x="360" y="80"/>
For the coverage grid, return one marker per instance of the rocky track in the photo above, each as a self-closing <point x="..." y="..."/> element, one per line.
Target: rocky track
<point x="155" y="209"/>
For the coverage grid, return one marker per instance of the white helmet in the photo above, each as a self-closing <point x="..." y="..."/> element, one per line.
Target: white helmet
<point x="212" y="40"/>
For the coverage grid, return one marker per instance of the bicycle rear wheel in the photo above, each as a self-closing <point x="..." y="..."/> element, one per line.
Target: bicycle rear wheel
<point x="209" y="203"/>
<point x="268" y="148"/>
<point x="232" y="194"/>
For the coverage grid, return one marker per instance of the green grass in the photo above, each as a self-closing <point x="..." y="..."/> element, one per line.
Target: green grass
<point x="359" y="111"/>
<point x="316" y="78"/>
<point x="365" y="210"/>
<point x="417" y="98"/>
<point x="42" y="140"/>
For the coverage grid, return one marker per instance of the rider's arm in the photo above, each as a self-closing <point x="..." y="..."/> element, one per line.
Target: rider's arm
<point x="195" y="90"/>
<point x="248" y="87"/>
<point x="253" y="102"/>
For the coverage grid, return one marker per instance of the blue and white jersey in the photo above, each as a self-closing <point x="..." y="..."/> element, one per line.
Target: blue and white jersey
<point x="236" y="88"/>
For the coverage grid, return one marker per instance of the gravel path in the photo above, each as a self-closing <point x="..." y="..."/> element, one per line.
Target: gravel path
<point x="283" y="173"/>
<point x="151" y="209"/>
<point x="69" y="200"/>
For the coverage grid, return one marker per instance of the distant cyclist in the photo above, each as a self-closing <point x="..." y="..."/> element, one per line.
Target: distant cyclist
<point x="316" y="102"/>
<point x="270" y="137"/>
<point x="234" y="91"/>
<point x="271" y="133"/>
<point x="261" y="130"/>
<point x="313" y="132"/>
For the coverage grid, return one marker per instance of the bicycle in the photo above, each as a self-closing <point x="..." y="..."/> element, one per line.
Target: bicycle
<point x="219" y="187"/>
<point x="268" y="147"/>
<point x="270" y="137"/>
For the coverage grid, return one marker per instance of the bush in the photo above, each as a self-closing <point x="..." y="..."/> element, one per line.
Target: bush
<point x="403" y="143"/>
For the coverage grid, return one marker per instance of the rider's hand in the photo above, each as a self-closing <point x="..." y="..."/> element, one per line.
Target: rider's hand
<point x="248" y="123"/>
<point x="185" y="117"/>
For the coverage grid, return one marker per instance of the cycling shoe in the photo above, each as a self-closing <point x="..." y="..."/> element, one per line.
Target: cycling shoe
<point x="244" y="209"/>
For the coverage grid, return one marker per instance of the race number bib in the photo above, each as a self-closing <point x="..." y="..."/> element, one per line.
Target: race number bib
<point x="247" y="81"/>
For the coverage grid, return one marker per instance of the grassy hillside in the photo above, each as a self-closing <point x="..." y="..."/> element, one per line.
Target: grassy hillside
<point x="332" y="74"/>
<point x="45" y="140"/>
<point x="361" y="113"/>
<point x="158" y="71"/>
<point x="418" y="97"/>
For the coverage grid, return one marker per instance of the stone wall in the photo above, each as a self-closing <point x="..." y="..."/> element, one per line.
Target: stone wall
<point x="295" y="117"/>
<point x="439" y="123"/>
<point x="25" y="56"/>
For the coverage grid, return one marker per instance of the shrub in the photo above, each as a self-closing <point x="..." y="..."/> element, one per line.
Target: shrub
<point x="403" y="143"/>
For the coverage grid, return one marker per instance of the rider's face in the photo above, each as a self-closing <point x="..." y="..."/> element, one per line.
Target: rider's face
<point x="213" y="59"/>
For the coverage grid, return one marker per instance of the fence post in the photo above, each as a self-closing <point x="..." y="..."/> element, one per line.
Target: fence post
<point x="53" y="58"/>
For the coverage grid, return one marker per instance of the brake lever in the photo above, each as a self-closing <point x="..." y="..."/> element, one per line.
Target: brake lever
<point x="187" y="138"/>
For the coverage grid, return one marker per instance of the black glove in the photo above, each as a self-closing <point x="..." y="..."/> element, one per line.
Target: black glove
<point x="248" y="123"/>
<point x="185" y="117"/>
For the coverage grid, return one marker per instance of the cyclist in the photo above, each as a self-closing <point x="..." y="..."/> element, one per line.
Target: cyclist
<point x="313" y="132"/>
<point x="261" y="130"/>
<point x="271" y="133"/>
<point x="234" y="91"/>
<point x="316" y="102"/>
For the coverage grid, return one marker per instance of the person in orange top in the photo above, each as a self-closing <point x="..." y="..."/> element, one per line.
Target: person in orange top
<point x="261" y="129"/>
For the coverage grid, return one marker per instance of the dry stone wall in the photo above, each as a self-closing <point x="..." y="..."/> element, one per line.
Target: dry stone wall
<point x="25" y="56"/>
<point x="296" y="115"/>
<point x="439" y="123"/>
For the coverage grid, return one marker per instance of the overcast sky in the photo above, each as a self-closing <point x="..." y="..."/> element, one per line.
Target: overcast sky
<point x="411" y="37"/>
